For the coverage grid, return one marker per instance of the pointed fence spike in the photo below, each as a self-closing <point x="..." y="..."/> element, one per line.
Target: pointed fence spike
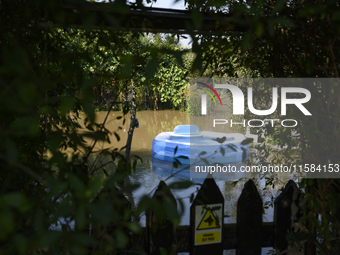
<point x="206" y="220"/>
<point x="249" y="220"/>
<point x="164" y="191"/>
<point x="161" y="233"/>
<point x="287" y="213"/>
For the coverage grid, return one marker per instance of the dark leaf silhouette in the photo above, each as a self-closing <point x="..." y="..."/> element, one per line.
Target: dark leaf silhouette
<point x="117" y="136"/>
<point x="180" y="185"/>
<point x="183" y="157"/>
<point x="231" y="146"/>
<point x="220" y="140"/>
<point x="202" y="153"/>
<point x="178" y="162"/>
<point x="222" y="150"/>
<point x="244" y="154"/>
<point x="247" y="141"/>
<point x="205" y="161"/>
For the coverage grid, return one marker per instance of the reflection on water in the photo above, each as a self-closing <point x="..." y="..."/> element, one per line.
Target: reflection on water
<point x="151" y="124"/>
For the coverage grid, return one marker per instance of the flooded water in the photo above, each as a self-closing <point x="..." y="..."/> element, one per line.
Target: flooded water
<point x="151" y="123"/>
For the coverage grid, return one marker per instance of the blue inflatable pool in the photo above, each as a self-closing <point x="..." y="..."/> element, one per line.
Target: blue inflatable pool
<point x="213" y="147"/>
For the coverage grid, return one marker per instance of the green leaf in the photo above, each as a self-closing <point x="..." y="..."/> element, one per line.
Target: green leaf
<point x="171" y="210"/>
<point x="151" y="68"/>
<point x="205" y="161"/>
<point x="21" y="242"/>
<point x="180" y="185"/>
<point x="177" y="161"/>
<point x="163" y="251"/>
<point x="48" y="238"/>
<point x="192" y="196"/>
<point x="244" y="154"/>
<point x="122" y="239"/>
<point x="16" y="200"/>
<point x="27" y="125"/>
<point x="222" y="150"/>
<point x="202" y="153"/>
<point x="66" y="105"/>
<point x="232" y="146"/>
<point x="182" y="157"/>
<point x="6" y="223"/>
<point x="247" y="141"/>
<point x="117" y="136"/>
<point x="11" y="150"/>
<point x="76" y="184"/>
<point x="220" y="140"/>
<point x="99" y="136"/>
<point x="80" y="217"/>
<point x="311" y="10"/>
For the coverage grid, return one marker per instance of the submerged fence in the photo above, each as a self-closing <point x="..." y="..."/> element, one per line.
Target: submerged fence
<point x="207" y="234"/>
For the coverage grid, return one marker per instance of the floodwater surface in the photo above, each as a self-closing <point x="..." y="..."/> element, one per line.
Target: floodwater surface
<point x="151" y="123"/>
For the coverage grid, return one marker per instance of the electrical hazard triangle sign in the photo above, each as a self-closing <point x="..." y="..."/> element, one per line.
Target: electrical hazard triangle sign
<point x="208" y="221"/>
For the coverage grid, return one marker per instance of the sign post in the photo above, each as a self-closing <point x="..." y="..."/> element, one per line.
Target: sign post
<point x="206" y="219"/>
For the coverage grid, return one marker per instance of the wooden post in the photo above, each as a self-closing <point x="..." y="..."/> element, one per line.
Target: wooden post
<point x="206" y="220"/>
<point x="249" y="221"/>
<point x="129" y="142"/>
<point x="146" y="97"/>
<point x="160" y="232"/>
<point x="287" y="212"/>
<point x="104" y="233"/>
<point x="132" y="123"/>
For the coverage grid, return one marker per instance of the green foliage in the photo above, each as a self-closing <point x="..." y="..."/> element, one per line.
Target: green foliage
<point x="49" y="199"/>
<point x="53" y="188"/>
<point x="287" y="39"/>
<point x="167" y="74"/>
<point x="194" y="103"/>
<point x="153" y="62"/>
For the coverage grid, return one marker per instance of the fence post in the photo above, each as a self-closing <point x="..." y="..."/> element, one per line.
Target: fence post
<point x="287" y="212"/>
<point x="103" y="232"/>
<point x="160" y="232"/>
<point x="206" y="220"/>
<point x="249" y="221"/>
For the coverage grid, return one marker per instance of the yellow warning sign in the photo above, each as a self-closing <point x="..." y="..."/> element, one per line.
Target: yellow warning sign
<point x="208" y="221"/>
<point x="209" y="237"/>
<point x="208" y="224"/>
